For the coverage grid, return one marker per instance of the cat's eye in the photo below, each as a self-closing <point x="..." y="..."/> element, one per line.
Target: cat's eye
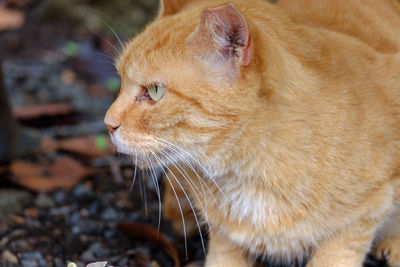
<point x="156" y="91"/>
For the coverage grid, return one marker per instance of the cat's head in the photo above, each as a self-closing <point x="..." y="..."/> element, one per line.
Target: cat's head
<point x="185" y="84"/>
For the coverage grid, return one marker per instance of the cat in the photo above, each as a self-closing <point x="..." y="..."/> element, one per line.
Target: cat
<point x="281" y="121"/>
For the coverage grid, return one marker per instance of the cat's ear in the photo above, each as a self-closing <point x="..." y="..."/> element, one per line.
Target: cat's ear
<point x="170" y="7"/>
<point x="223" y="38"/>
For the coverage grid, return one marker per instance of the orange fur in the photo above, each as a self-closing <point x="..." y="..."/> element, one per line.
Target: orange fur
<point x="296" y="117"/>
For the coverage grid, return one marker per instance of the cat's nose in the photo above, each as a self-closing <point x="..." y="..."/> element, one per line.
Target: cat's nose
<point x="112" y="126"/>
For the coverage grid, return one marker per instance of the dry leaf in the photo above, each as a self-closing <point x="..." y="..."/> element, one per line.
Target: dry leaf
<point x="150" y="235"/>
<point x="10" y="19"/>
<point x="36" y="111"/>
<point x="92" y="146"/>
<point x="64" y="173"/>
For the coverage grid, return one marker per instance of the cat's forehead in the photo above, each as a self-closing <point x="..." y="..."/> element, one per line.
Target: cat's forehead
<point x="161" y="44"/>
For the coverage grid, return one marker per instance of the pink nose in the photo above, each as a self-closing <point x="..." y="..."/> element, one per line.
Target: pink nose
<point x="112" y="126"/>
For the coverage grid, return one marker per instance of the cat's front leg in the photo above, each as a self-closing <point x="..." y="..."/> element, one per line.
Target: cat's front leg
<point x="345" y="249"/>
<point x="224" y="253"/>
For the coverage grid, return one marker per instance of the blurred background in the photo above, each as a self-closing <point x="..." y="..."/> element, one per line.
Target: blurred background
<point x="65" y="195"/>
<point x="64" y="192"/>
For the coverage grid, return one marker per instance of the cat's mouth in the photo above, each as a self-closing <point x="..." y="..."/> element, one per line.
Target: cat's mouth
<point x="147" y="155"/>
<point x="145" y="160"/>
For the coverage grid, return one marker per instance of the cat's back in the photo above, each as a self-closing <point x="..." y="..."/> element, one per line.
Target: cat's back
<point x="376" y="23"/>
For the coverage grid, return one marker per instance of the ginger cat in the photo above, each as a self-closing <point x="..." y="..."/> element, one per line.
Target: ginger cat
<point x="286" y="117"/>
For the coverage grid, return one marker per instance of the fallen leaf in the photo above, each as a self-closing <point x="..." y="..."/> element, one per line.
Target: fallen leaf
<point x="150" y="235"/>
<point x="91" y="146"/>
<point x="10" y="19"/>
<point x="36" y="111"/>
<point x="64" y="173"/>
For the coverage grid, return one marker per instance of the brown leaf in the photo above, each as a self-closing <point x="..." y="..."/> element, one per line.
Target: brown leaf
<point x="36" y="111"/>
<point x="10" y="19"/>
<point x="64" y="173"/>
<point x="150" y="235"/>
<point x="86" y="146"/>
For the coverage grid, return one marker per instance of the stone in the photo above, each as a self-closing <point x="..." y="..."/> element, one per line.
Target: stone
<point x="94" y="252"/>
<point x="12" y="202"/>
<point x="8" y="257"/>
<point x="44" y="201"/>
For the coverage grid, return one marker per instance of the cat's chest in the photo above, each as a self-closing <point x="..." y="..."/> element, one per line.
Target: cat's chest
<point x="262" y="223"/>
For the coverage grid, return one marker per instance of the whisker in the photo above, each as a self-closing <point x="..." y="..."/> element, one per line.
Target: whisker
<point x="202" y="182"/>
<point x="103" y="55"/>
<point x="155" y="181"/>
<point x="200" y="165"/>
<point x="141" y="189"/>
<point x="146" y="210"/>
<point x="117" y="52"/>
<point x="187" y="197"/>
<point x="180" y="209"/>
<point x="134" y="174"/>
<point x="189" y="181"/>
<point x="112" y="30"/>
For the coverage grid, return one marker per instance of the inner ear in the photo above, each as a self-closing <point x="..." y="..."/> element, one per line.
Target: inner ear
<point x="170" y="7"/>
<point x="223" y="32"/>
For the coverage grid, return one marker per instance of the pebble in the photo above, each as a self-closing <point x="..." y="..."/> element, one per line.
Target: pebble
<point x="60" y="211"/>
<point x="89" y="227"/>
<point x="8" y="257"/>
<point x="60" y="197"/>
<point x="110" y="234"/>
<point x="133" y="217"/>
<point x="58" y="262"/>
<point x="33" y="259"/>
<point x="74" y="218"/>
<point x="82" y="191"/>
<point x="109" y="214"/>
<point x="44" y="201"/>
<point x="12" y="201"/>
<point x="21" y="245"/>
<point x="95" y="252"/>
<point x="94" y="208"/>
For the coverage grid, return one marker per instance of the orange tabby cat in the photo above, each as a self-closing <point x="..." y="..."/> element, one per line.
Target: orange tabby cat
<point x="286" y="115"/>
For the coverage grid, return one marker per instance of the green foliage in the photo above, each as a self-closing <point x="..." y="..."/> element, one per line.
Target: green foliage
<point x="71" y="49"/>
<point x="113" y="84"/>
<point x="101" y="142"/>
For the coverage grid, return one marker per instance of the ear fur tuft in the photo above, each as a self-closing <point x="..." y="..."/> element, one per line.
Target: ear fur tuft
<point x="222" y="38"/>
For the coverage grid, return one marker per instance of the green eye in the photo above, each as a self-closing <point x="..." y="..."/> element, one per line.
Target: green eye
<point x="156" y="91"/>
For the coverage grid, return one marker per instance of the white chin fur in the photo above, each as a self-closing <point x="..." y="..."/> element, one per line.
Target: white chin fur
<point x="122" y="147"/>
